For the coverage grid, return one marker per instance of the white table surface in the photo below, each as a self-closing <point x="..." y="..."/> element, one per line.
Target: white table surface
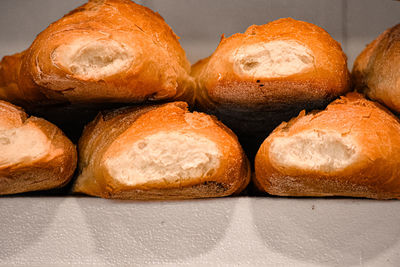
<point x="240" y="231"/>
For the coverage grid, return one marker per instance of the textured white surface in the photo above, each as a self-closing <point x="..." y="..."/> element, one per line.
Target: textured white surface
<point x="231" y="231"/>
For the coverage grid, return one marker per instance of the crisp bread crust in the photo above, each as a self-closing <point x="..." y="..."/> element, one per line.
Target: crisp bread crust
<point x="376" y="70"/>
<point x="160" y="70"/>
<point x="111" y="131"/>
<point x="253" y="106"/>
<point x="52" y="170"/>
<point x="374" y="173"/>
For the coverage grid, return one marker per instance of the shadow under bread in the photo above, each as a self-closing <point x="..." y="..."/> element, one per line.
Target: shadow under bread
<point x="72" y="118"/>
<point x="328" y="231"/>
<point x="26" y="221"/>
<point x="165" y="232"/>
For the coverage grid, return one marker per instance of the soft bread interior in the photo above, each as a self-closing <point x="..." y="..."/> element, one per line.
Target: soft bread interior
<point x="93" y="58"/>
<point x="22" y="145"/>
<point x="165" y="156"/>
<point x="272" y="59"/>
<point x="327" y="152"/>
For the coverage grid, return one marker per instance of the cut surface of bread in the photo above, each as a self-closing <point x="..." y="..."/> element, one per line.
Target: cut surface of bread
<point x="272" y="59"/>
<point x="350" y="149"/>
<point x="22" y="145"/>
<point x="314" y="150"/>
<point x="160" y="152"/>
<point x="94" y="59"/>
<point x="35" y="154"/>
<point x="165" y="156"/>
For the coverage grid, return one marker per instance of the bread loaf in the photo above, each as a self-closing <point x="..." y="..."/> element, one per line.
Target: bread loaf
<point x="376" y="70"/>
<point x="255" y="80"/>
<point x="350" y="149"/>
<point x="34" y="154"/>
<point x="160" y="152"/>
<point x="103" y="51"/>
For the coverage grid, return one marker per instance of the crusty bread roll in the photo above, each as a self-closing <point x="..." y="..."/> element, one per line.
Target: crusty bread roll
<point x="350" y="149"/>
<point x="376" y="71"/>
<point x="103" y="51"/>
<point x="255" y="80"/>
<point x="160" y="152"/>
<point x="34" y="154"/>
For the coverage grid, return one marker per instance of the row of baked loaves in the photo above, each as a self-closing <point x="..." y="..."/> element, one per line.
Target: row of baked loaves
<point x="352" y="148"/>
<point x="117" y="52"/>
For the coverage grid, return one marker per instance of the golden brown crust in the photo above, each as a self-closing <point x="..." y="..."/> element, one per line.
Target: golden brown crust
<point x="11" y="116"/>
<point x="374" y="174"/>
<point x="159" y="71"/>
<point x="238" y="99"/>
<point x="9" y="75"/>
<point x="376" y="70"/>
<point x="109" y="133"/>
<point x="52" y="170"/>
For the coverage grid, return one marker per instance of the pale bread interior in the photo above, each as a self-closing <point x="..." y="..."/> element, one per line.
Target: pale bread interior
<point x="315" y="150"/>
<point x="165" y="156"/>
<point x="94" y="59"/>
<point x="272" y="59"/>
<point x="22" y="145"/>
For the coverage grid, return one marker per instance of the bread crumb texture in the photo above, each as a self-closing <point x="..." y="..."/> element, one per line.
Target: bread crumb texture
<point x="272" y="59"/>
<point x="23" y="144"/>
<point x="167" y="156"/>
<point x="315" y="150"/>
<point x="94" y="58"/>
